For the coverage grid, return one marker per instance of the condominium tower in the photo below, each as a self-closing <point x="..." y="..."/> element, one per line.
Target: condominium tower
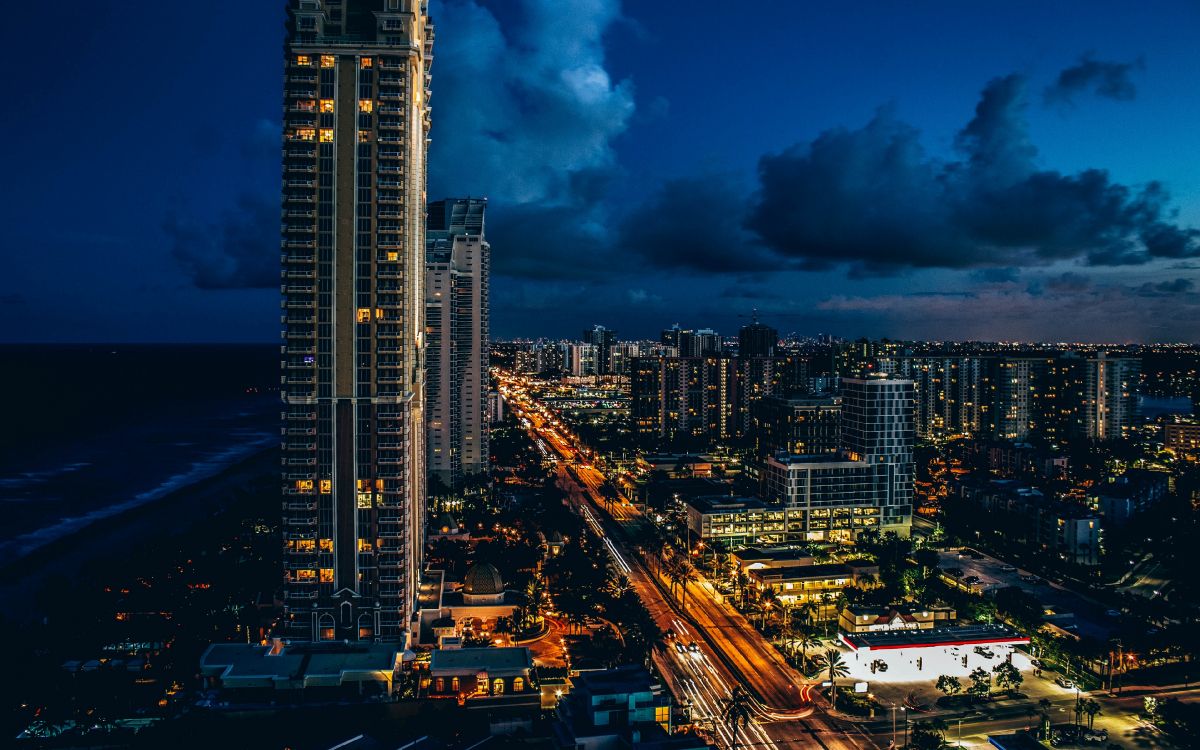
<point x="457" y="260"/>
<point x="355" y="128"/>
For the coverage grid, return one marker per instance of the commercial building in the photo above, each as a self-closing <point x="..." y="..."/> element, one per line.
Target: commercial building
<point x="818" y="585"/>
<point x="866" y="618"/>
<point x="255" y="673"/>
<point x="618" y="709"/>
<point x="868" y="484"/>
<point x="355" y="124"/>
<point x="458" y="261"/>
<point x="480" y="674"/>
<point x="582" y="360"/>
<point x="735" y="521"/>
<point x="603" y="340"/>
<point x="799" y="425"/>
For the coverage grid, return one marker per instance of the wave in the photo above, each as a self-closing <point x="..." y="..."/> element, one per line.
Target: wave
<point x="200" y="470"/>
<point x="31" y="478"/>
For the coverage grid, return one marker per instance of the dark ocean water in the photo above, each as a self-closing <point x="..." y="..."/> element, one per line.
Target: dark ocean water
<point x="96" y="430"/>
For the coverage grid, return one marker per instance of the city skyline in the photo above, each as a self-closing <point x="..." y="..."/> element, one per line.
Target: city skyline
<point x="618" y="195"/>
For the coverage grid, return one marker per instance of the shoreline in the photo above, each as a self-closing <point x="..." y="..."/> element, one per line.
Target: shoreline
<point x="23" y="580"/>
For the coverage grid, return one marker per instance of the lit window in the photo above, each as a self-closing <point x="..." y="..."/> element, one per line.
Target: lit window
<point x="364" y="136"/>
<point x="366" y="105"/>
<point x="306" y="575"/>
<point x="439" y="685"/>
<point x="304" y="134"/>
<point x="326" y="105"/>
<point x="304" y="485"/>
<point x="306" y="545"/>
<point x="364" y="315"/>
<point x="497" y="686"/>
<point x="326" y="575"/>
<point x="518" y="684"/>
<point x="364" y="545"/>
<point x="454" y="684"/>
<point x="327" y="634"/>
<point x="303" y="60"/>
<point x="307" y="105"/>
<point x="326" y="545"/>
<point x="378" y="314"/>
<point x="393" y="255"/>
<point x="365" y="633"/>
<point x="365" y="62"/>
<point x="326" y="61"/>
<point x="326" y="486"/>
<point x="364" y="500"/>
<point x="326" y="135"/>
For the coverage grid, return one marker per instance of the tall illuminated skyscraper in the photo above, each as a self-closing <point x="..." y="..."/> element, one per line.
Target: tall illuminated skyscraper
<point x="458" y="260"/>
<point x="355" y="133"/>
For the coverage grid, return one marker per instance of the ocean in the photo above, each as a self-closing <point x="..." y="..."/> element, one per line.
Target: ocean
<point x="94" y="430"/>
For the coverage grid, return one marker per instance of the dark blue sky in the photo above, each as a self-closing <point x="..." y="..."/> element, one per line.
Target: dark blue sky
<point x="1028" y="170"/>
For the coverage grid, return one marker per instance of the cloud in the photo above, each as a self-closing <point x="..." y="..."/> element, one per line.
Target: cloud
<point x="872" y="200"/>
<point x="997" y="275"/>
<point x="1167" y="288"/>
<point x="238" y="251"/>
<point x="1112" y="80"/>
<point x="642" y="297"/>
<point x="694" y="224"/>
<point x="530" y="104"/>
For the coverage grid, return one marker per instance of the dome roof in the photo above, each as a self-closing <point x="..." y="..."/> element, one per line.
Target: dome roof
<point x="483" y="579"/>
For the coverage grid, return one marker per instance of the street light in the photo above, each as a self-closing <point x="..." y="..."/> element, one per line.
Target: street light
<point x="904" y="713"/>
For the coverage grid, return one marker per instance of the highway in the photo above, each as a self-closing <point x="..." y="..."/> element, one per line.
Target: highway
<point x="729" y="650"/>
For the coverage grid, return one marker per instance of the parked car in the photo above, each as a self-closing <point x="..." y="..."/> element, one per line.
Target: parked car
<point x="971" y="579"/>
<point x="1063" y="682"/>
<point x="694" y="647"/>
<point x="679" y="647"/>
<point x="1031" y="578"/>
<point x="1113" y="612"/>
<point x="1009" y="568"/>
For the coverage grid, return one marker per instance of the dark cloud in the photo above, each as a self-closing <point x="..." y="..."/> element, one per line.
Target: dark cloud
<point x="1112" y="80"/>
<point x="871" y="199"/>
<point x="1067" y="282"/>
<point x="1167" y="288"/>
<point x="693" y="224"/>
<point x="997" y="275"/>
<point x="240" y="251"/>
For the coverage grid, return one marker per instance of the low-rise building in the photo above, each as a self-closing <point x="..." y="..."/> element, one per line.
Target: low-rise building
<point x="1182" y="438"/>
<point x="618" y="709"/>
<point x="470" y="674"/>
<point x="1130" y="494"/>
<point x="1024" y="513"/>
<point x="332" y="669"/>
<point x="805" y="584"/>
<point x="864" y="618"/>
<point x="735" y="521"/>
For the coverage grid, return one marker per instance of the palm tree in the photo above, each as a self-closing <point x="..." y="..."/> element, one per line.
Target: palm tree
<point x="735" y="711"/>
<point x="807" y="610"/>
<point x="687" y="574"/>
<point x="767" y="599"/>
<point x="834" y="667"/>
<point x="805" y="641"/>
<point x="1044" y="704"/>
<point x="1091" y="707"/>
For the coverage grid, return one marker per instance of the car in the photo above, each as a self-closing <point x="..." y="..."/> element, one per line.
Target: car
<point x="1009" y="568"/>
<point x="694" y="647"/>
<point x="1031" y="579"/>
<point x="1113" y="612"/>
<point x="1037" y="664"/>
<point x="1063" y="682"/>
<point x="679" y="647"/>
<point x="971" y="579"/>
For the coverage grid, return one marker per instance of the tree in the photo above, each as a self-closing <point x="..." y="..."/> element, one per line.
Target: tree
<point x="925" y="737"/>
<point x="806" y="640"/>
<point x="981" y="683"/>
<point x="834" y="667"/>
<point x="1044" y="705"/>
<point x="735" y="712"/>
<point x="949" y="684"/>
<point x="1091" y="707"/>
<point x="1008" y="677"/>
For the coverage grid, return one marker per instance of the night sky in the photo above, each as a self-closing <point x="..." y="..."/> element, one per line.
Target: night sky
<point x="1027" y="170"/>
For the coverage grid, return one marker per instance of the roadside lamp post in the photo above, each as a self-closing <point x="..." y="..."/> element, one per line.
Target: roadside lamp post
<point x="960" y="731"/>
<point x="904" y="713"/>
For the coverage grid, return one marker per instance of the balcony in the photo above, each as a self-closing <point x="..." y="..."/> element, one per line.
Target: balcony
<point x="300" y="183"/>
<point x="300" y="431"/>
<point x="300" y="506"/>
<point x="301" y="595"/>
<point x="298" y="258"/>
<point x="389" y="183"/>
<point x="300" y="197"/>
<point x="391" y="96"/>
<point x="305" y="521"/>
<point x="302" y="78"/>
<point x="301" y="215"/>
<point x="390" y="215"/>
<point x="299" y="274"/>
<point x="299" y="381"/>
<point x="389" y="109"/>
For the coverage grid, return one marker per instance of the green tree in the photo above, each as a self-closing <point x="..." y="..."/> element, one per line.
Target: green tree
<point x="735" y="712"/>
<point x="1008" y="677"/>
<point x="925" y="736"/>
<point x="949" y="684"/>
<point x="981" y="683"/>
<point x="1092" y="708"/>
<point x="834" y="667"/>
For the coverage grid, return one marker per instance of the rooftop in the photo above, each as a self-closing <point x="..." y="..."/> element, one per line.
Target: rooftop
<point x="481" y="659"/>
<point x="802" y="573"/>
<point x="721" y="503"/>
<point x="966" y="635"/>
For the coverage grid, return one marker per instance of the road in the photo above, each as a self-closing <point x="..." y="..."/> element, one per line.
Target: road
<point x="729" y="650"/>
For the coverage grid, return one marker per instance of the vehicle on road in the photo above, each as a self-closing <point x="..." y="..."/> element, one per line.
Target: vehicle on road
<point x="679" y="647"/>
<point x="1063" y="682"/>
<point x="1030" y="578"/>
<point x="1009" y="568"/>
<point x="971" y="579"/>
<point x="1113" y="612"/>
<point x="694" y="647"/>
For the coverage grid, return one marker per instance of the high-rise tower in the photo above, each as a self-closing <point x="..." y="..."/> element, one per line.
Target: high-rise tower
<point x="458" y="260"/>
<point x="355" y="128"/>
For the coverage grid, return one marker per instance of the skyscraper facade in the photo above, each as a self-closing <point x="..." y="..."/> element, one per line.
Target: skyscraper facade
<point x="355" y="128"/>
<point x="757" y="340"/>
<point x="603" y="339"/>
<point x="458" y="263"/>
